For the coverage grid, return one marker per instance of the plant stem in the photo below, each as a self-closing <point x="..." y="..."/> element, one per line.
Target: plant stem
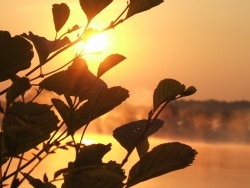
<point x="5" y="177"/>
<point x="83" y="132"/>
<point x="18" y="166"/>
<point x="59" y="127"/>
<point x="59" y="68"/>
<point x="53" y="56"/>
<point x="39" y="161"/>
<point x="38" y="93"/>
<point x="24" y="166"/>
<point x="117" y="21"/>
<point x="7" y="168"/>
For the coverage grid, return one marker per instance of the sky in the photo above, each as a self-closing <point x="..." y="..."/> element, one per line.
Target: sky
<point x="204" y="43"/>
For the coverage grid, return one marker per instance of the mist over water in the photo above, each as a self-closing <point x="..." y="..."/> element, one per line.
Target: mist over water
<point x="216" y="165"/>
<point x="202" y="121"/>
<point x="218" y="131"/>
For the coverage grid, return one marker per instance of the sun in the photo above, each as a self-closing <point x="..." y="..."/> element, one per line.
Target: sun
<point x="88" y="142"/>
<point x="96" y="43"/>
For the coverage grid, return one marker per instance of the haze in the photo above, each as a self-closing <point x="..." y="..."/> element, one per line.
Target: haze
<point x="204" y="43"/>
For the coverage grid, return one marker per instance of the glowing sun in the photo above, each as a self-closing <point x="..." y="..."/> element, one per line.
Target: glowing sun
<point x="96" y="43"/>
<point x="88" y="142"/>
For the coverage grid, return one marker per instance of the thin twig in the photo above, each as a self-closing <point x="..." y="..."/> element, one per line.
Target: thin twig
<point x="117" y="21"/>
<point x="18" y="166"/>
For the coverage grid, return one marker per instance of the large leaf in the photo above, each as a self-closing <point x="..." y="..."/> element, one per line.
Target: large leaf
<point x="96" y="106"/>
<point x="167" y="89"/>
<point x="77" y="80"/>
<point x="95" y="177"/>
<point x="162" y="159"/>
<point x="93" y="7"/>
<point x="116" y="168"/>
<point x="37" y="183"/>
<point x="16" y="54"/>
<point x="91" y="155"/>
<point x="137" y="6"/>
<point x="25" y="125"/>
<point x="132" y="134"/>
<point x="108" y="63"/>
<point x="88" y="170"/>
<point x="45" y="47"/>
<point x="60" y="15"/>
<point x="19" y="87"/>
<point x="4" y="153"/>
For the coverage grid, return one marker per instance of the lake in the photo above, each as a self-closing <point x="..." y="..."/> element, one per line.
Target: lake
<point x="216" y="165"/>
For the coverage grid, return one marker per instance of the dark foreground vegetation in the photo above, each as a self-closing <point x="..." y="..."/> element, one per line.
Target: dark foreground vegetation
<point x="31" y="131"/>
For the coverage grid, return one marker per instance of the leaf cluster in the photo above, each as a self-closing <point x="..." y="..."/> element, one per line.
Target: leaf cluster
<point x="81" y="96"/>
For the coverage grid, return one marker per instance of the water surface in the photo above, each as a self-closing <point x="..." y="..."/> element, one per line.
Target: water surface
<point x="216" y="165"/>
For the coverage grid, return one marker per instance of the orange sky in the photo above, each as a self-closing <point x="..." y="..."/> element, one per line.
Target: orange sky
<point x="205" y="43"/>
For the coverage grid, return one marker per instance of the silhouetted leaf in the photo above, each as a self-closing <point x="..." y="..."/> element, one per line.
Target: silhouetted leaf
<point x="19" y="87"/>
<point x="16" y="54"/>
<point x="167" y="90"/>
<point x="44" y="47"/>
<point x="37" y="183"/>
<point x="189" y="91"/>
<point x="132" y="134"/>
<point x="63" y="147"/>
<point x="59" y="83"/>
<point x="162" y="159"/>
<point x="93" y="7"/>
<point x="35" y="148"/>
<point x="4" y="153"/>
<point x="91" y="155"/>
<point x="108" y="63"/>
<point x="62" y="109"/>
<point x="137" y="6"/>
<point x="97" y="177"/>
<point x="116" y="168"/>
<point x="86" y="83"/>
<point x="69" y="101"/>
<point x="142" y="147"/>
<point x="45" y="178"/>
<point x="70" y="143"/>
<point x="98" y="105"/>
<point x="77" y="80"/>
<point x="74" y="28"/>
<point x="60" y="15"/>
<point x="25" y="125"/>
<point x="59" y="172"/>
<point x="88" y="170"/>
<point x="46" y="147"/>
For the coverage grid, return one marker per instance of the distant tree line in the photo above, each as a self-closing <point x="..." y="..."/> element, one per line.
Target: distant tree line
<point x="212" y="121"/>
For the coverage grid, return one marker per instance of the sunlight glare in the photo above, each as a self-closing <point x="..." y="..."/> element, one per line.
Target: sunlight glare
<point x="96" y="43"/>
<point x="88" y="142"/>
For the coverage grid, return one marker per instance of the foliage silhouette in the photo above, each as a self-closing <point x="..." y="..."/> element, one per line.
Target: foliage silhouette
<point x="29" y="126"/>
